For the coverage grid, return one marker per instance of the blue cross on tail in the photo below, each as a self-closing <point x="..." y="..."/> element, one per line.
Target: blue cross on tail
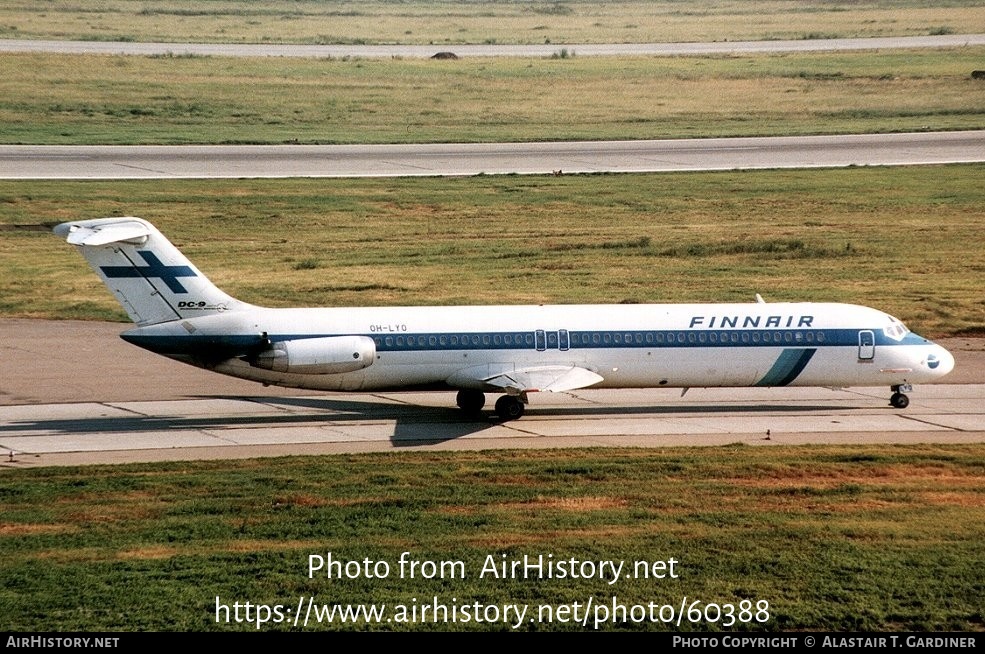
<point x="167" y="274"/>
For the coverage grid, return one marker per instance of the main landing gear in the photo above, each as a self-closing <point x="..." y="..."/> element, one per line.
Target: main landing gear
<point x="899" y="400"/>
<point x="508" y="407"/>
<point x="471" y="401"/>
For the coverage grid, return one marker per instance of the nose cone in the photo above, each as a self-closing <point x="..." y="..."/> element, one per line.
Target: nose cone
<point x="938" y="361"/>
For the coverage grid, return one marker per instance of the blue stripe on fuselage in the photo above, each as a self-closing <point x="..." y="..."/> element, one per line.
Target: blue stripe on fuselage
<point x="787" y="368"/>
<point x="624" y="339"/>
<point x="791" y="340"/>
<point x="206" y="347"/>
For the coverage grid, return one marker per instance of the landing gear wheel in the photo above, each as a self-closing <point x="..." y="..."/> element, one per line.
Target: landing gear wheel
<point x="471" y="401"/>
<point x="899" y="400"/>
<point x="509" y="407"/>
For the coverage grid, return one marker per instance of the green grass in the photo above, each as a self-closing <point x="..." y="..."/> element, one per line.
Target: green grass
<point x="144" y="100"/>
<point x="907" y="240"/>
<point x="833" y="538"/>
<point x="449" y="22"/>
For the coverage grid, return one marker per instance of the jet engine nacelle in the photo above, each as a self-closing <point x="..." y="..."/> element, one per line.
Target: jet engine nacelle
<point x="329" y="355"/>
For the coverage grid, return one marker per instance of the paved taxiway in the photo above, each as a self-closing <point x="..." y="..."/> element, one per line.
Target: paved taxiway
<point x="488" y="50"/>
<point x="78" y="394"/>
<point x="174" y="162"/>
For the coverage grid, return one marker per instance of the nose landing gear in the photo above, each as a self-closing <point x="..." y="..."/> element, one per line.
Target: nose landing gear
<point x="899" y="400"/>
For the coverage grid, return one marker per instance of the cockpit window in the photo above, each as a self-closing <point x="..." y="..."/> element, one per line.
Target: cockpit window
<point x="896" y="330"/>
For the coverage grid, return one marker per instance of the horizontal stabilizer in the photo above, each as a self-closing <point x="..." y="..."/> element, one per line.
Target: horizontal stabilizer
<point x="95" y="234"/>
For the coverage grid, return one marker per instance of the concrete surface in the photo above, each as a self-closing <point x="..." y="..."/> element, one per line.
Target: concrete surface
<point x="73" y="393"/>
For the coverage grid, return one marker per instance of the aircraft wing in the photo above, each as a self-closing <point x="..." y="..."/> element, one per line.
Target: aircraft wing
<point x="548" y="379"/>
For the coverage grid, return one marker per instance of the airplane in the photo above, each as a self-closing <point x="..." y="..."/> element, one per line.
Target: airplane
<point x="512" y="350"/>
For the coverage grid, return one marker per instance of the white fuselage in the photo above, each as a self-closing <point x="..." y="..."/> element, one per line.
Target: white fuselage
<point x="683" y="345"/>
<point x="514" y="350"/>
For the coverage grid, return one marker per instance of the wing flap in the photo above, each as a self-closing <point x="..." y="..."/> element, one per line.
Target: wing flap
<point x="547" y="379"/>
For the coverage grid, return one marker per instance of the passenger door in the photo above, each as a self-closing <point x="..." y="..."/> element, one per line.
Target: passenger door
<point x="866" y="345"/>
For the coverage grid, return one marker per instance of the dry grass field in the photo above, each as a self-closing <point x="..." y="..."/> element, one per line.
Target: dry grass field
<point x="71" y="99"/>
<point x="907" y="240"/>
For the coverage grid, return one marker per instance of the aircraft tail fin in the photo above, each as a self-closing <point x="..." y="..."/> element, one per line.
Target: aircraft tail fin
<point x="149" y="276"/>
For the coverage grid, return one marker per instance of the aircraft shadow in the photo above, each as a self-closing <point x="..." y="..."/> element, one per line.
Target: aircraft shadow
<point x="413" y="424"/>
